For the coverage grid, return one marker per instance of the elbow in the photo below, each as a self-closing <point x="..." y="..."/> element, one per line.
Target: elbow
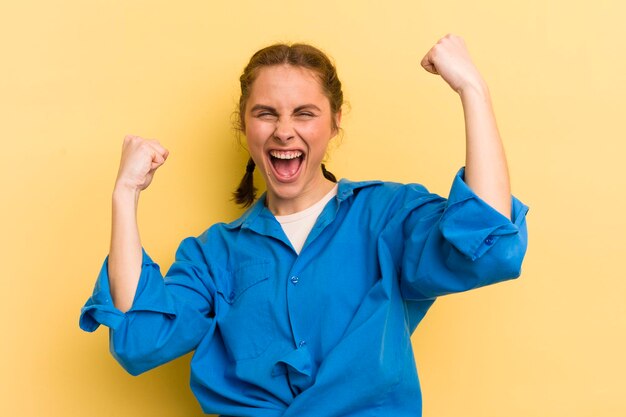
<point x="509" y="256"/>
<point x="504" y="263"/>
<point x="136" y="346"/>
<point x="147" y="340"/>
<point x="131" y="359"/>
<point x="505" y="271"/>
<point x="501" y="263"/>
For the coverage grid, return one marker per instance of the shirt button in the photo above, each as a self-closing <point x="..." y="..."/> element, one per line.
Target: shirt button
<point x="302" y="343"/>
<point x="231" y="296"/>
<point x="294" y="280"/>
<point x="489" y="240"/>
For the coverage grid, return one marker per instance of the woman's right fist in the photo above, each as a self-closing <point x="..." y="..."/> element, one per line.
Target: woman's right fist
<point x="140" y="159"/>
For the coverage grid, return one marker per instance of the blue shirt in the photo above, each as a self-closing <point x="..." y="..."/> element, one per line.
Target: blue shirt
<point x="323" y="333"/>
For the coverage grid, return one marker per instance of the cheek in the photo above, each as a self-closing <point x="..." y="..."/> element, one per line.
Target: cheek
<point x="319" y="132"/>
<point x="257" y="131"/>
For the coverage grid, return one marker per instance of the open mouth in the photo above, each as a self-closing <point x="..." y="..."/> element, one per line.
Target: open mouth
<point x="286" y="164"/>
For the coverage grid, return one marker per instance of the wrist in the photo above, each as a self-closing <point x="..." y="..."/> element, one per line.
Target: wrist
<point x="475" y="88"/>
<point x="123" y="192"/>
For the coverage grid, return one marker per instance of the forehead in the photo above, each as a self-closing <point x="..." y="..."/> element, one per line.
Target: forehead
<point x="285" y="85"/>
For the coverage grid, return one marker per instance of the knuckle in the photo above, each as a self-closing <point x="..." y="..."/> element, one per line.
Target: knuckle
<point x="136" y="139"/>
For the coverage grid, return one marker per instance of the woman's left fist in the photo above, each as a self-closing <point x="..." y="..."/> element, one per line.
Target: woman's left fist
<point x="450" y="59"/>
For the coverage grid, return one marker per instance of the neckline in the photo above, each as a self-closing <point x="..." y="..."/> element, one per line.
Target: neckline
<point x="315" y="208"/>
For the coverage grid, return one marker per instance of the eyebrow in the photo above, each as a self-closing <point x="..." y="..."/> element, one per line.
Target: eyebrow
<point x="257" y="107"/>
<point x="306" y="107"/>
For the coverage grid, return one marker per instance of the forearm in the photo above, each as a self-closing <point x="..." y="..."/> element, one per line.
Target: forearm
<point x="124" y="264"/>
<point x="486" y="171"/>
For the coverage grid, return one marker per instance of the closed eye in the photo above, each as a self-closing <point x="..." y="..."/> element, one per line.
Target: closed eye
<point x="306" y="111"/>
<point x="263" y="112"/>
<point x="266" y="115"/>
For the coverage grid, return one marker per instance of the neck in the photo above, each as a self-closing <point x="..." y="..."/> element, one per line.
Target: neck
<point x="281" y="206"/>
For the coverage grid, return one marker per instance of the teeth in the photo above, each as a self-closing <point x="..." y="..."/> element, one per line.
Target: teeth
<point x="286" y="154"/>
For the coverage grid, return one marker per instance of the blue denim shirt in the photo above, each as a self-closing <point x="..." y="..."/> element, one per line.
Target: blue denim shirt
<point x="323" y="333"/>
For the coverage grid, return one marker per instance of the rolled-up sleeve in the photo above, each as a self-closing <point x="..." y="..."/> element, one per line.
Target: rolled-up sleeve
<point x="168" y="317"/>
<point x="460" y="244"/>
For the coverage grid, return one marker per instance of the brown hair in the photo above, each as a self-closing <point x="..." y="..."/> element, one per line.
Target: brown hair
<point x="298" y="55"/>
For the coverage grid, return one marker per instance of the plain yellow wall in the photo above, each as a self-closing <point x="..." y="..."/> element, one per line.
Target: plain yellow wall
<point x="76" y="76"/>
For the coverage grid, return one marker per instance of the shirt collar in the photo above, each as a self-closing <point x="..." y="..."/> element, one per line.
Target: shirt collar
<point x="345" y="189"/>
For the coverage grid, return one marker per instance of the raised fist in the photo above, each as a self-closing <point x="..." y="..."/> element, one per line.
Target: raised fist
<point x="450" y="59"/>
<point x="140" y="159"/>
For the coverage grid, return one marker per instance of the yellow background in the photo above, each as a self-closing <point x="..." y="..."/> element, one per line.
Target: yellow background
<point x="76" y="76"/>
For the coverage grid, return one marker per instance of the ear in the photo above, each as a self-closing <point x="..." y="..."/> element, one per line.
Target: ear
<point x="337" y="117"/>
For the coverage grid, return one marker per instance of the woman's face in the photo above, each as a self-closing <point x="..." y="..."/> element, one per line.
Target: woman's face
<point x="288" y="127"/>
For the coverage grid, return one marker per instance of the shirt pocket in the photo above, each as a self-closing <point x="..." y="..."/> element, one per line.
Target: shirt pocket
<point x="246" y="327"/>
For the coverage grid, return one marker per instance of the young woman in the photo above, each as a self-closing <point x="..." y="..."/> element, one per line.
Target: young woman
<point x="305" y="305"/>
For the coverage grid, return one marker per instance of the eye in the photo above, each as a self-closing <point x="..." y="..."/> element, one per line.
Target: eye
<point x="266" y="115"/>
<point x="305" y="114"/>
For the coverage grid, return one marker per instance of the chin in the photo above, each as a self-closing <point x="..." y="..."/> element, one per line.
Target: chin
<point x="285" y="191"/>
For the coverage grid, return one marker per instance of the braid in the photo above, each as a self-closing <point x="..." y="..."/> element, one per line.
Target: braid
<point x="328" y="175"/>
<point x="246" y="192"/>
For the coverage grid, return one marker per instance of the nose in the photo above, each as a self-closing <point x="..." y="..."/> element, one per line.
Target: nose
<point x="284" y="130"/>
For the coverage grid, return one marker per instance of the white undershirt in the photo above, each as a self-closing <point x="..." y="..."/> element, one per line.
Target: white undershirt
<point x="297" y="226"/>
